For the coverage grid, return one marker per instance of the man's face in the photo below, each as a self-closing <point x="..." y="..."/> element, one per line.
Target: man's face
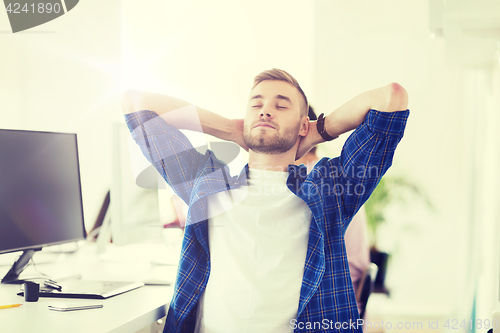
<point x="273" y="121"/>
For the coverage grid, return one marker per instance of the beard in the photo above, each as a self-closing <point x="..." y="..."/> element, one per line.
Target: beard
<point x="273" y="144"/>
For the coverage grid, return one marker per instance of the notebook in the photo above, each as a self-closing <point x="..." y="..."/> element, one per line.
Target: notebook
<point x="88" y="289"/>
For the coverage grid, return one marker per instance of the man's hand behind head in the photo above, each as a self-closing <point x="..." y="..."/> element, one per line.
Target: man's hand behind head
<point x="237" y="133"/>
<point x="311" y="139"/>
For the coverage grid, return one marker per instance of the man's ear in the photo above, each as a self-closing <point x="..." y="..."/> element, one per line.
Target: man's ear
<point x="304" y="126"/>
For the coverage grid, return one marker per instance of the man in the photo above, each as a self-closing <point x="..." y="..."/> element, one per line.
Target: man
<point x="357" y="248"/>
<point x="264" y="251"/>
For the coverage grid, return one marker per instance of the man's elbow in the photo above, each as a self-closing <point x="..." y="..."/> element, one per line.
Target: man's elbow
<point x="130" y="101"/>
<point x="397" y="97"/>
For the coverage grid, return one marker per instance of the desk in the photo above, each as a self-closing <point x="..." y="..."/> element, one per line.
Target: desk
<point x="385" y="314"/>
<point x="128" y="312"/>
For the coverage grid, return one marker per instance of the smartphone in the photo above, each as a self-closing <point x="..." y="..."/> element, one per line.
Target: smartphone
<point x="75" y="308"/>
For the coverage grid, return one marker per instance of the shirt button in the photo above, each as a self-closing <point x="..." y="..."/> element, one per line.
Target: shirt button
<point x="197" y="291"/>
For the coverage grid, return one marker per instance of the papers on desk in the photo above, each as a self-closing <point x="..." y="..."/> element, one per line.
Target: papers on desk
<point x="65" y="307"/>
<point x="153" y="264"/>
<point x="155" y="254"/>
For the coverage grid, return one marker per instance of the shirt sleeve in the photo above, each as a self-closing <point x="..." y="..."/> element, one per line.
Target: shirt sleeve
<point x="366" y="156"/>
<point x="167" y="149"/>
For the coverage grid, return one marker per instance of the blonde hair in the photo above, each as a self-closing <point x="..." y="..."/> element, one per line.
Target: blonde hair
<point x="281" y="75"/>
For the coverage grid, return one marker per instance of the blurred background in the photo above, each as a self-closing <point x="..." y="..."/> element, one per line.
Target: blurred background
<point x="68" y="75"/>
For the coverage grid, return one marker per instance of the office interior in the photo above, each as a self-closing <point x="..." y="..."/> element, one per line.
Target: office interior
<point x="69" y="74"/>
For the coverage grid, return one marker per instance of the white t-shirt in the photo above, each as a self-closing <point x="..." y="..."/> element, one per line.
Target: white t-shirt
<point x="258" y="248"/>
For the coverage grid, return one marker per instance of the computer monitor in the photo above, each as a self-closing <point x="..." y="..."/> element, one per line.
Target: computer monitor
<point x="40" y="194"/>
<point x="135" y="201"/>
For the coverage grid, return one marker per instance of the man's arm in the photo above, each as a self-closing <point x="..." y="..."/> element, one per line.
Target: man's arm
<point x="390" y="98"/>
<point x="154" y="121"/>
<point x="211" y="123"/>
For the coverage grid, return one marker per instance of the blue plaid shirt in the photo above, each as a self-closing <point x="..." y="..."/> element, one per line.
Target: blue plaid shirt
<point x="334" y="191"/>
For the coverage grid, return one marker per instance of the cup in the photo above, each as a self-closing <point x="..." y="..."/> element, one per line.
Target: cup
<point x="31" y="291"/>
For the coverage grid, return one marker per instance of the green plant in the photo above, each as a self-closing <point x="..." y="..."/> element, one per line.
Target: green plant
<point x="389" y="190"/>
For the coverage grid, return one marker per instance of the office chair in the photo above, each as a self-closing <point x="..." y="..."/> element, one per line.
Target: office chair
<point x="367" y="282"/>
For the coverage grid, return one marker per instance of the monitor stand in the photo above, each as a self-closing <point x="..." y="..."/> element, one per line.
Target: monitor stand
<point x="12" y="277"/>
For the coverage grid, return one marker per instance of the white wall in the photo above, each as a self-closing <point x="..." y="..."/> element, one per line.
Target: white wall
<point x="64" y="76"/>
<point x="485" y="220"/>
<point x="209" y="52"/>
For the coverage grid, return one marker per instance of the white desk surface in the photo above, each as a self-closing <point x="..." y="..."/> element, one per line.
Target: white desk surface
<point x="128" y="312"/>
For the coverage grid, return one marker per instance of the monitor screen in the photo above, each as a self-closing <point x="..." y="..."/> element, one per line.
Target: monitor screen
<point x="40" y="190"/>
<point x="135" y="212"/>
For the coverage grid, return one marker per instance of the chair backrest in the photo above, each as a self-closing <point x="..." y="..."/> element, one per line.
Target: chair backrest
<point x="367" y="283"/>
